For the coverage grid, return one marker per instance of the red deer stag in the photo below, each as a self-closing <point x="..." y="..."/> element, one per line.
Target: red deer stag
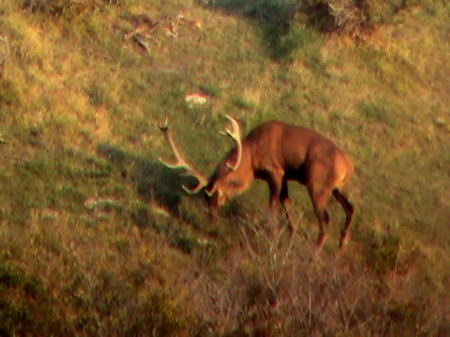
<point x="276" y="153"/>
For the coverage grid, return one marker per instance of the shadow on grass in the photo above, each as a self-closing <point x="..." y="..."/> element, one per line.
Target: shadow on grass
<point x="156" y="183"/>
<point x="281" y="37"/>
<point x="152" y="180"/>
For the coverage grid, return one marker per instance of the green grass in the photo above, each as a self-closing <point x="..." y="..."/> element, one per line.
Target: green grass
<point x="98" y="238"/>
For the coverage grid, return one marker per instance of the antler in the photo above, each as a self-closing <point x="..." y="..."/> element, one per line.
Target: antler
<point x="235" y="135"/>
<point x="181" y="162"/>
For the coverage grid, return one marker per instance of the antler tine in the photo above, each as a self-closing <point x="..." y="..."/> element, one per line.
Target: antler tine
<point x="163" y="126"/>
<point x="235" y="135"/>
<point x="211" y="191"/>
<point x="180" y="162"/>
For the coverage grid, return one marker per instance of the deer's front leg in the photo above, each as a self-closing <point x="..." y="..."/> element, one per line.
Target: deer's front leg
<point x="279" y="197"/>
<point x="286" y="203"/>
<point x="275" y="186"/>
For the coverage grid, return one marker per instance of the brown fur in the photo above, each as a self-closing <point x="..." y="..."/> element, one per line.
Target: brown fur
<point x="276" y="153"/>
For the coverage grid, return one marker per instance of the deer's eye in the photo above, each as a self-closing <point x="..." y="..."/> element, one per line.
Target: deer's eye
<point x="235" y="183"/>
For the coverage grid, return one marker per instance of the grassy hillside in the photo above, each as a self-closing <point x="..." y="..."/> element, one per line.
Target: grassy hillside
<point x="98" y="239"/>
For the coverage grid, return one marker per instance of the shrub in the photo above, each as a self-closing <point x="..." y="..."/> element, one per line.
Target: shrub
<point x="353" y="16"/>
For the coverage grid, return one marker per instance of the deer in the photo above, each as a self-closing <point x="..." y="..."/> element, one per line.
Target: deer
<point x="276" y="153"/>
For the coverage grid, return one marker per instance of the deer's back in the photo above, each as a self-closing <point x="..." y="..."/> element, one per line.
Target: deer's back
<point x="277" y="145"/>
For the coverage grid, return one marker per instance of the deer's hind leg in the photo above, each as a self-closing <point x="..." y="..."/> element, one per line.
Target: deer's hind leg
<point x="349" y="211"/>
<point x="320" y="202"/>
<point x="320" y="190"/>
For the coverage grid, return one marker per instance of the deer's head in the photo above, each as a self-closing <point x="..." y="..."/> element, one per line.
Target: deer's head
<point x="230" y="177"/>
